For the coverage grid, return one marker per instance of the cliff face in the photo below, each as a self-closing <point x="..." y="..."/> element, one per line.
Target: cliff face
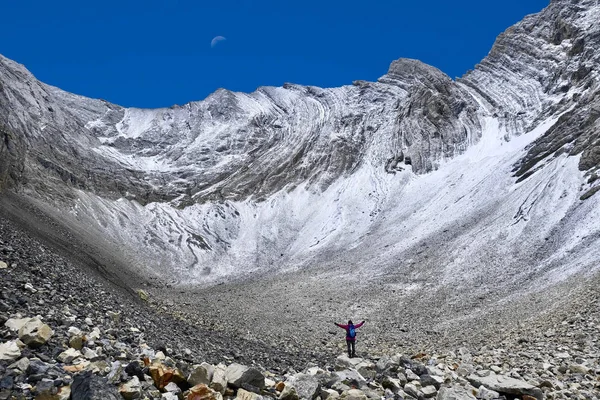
<point x="296" y="176"/>
<point x="547" y="65"/>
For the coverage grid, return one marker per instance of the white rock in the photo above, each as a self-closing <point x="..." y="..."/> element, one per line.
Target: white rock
<point x="219" y="382"/>
<point x="579" y="368"/>
<point x="94" y="334"/>
<point x="563" y="355"/>
<point x="454" y="393"/>
<point x="173" y="388"/>
<point x="201" y="374"/>
<point x="329" y="394"/>
<point x="484" y="393"/>
<point x="428" y="391"/>
<point x="74" y="331"/>
<point x="29" y="287"/>
<point x="3" y="265"/>
<point x="88" y="321"/>
<point x="68" y="355"/>
<point x="246" y="395"/>
<point x="270" y="383"/>
<point x="14" y="324"/>
<point x="504" y="384"/>
<point x="89" y="354"/>
<point x="314" y="371"/>
<point x="9" y="351"/>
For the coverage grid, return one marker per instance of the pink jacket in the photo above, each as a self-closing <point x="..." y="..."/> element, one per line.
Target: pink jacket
<point x="347" y="328"/>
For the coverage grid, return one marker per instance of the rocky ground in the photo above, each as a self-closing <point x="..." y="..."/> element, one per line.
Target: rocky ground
<point x="66" y="332"/>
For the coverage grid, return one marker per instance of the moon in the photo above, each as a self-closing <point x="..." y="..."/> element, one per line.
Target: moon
<point x="216" y="40"/>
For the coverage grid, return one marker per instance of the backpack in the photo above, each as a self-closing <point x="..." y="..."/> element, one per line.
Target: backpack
<point x="351" y="331"/>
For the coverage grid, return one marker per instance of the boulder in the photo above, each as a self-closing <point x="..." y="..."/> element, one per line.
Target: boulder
<point x="504" y="384"/>
<point x="90" y="354"/>
<point x="115" y="373"/>
<point x="344" y="362"/>
<point x="64" y="393"/>
<point x="415" y="366"/>
<point x="366" y="369"/>
<point x="454" y="393"/>
<point x="353" y="394"/>
<point x="76" y="342"/>
<point x="392" y="384"/>
<point x="9" y="351"/>
<point x="201" y="374"/>
<point x="21" y="365"/>
<point x="68" y="355"/>
<point x="163" y="375"/>
<point x="428" y="391"/>
<point x="289" y="393"/>
<point x="3" y="265"/>
<point x="169" y="396"/>
<point x="306" y="386"/>
<point x="484" y="393"/>
<point x="411" y="376"/>
<point x="94" y="334"/>
<point x="45" y="390"/>
<point x="434" y="380"/>
<point x="203" y="392"/>
<point x="351" y="378"/>
<point x="14" y="324"/>
<point x="135" y="369"/>
<point x="386" y="364"/>
<point x="132" y="389"/>
<point x="246" y="395"/>
<point x="237" y="375"/>
<point x="329" y="394"/>
<point x="412" y="390"/>
<point x="173" y="388"/>
<point x="219" y="382"/>
<point x="34" y="333"/>
<point x="73" y="330"/>
<point x="87" y="386"/>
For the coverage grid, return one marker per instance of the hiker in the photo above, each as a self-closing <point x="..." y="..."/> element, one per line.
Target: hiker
<point x="350" y="336"/>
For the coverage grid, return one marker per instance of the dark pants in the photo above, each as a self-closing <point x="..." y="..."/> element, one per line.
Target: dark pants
<point x="351" y="349"/>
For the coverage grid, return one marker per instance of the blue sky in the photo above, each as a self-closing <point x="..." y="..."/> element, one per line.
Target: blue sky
<point x="157" y="53"/>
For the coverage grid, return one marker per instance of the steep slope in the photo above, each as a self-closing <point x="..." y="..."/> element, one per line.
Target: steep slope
<point x="449" y="196"/>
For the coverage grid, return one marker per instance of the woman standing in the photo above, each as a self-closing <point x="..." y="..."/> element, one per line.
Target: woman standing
<point x="350" y="336"/>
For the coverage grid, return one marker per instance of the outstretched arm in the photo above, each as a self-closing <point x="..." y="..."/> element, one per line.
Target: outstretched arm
<point x="341" y="326"/>
<point x="359" y="325"/>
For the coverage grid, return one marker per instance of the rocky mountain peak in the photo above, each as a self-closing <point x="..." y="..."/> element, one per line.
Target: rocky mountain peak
<point x="410" y="71"/>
